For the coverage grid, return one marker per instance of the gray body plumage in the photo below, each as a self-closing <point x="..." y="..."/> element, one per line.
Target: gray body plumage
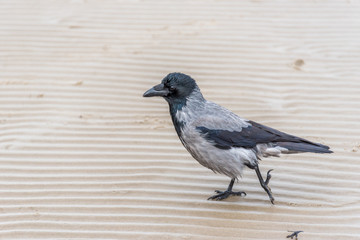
<point x="198" y="112"/>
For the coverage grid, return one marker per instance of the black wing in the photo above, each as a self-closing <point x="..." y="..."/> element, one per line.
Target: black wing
<point x="255" y="134"/>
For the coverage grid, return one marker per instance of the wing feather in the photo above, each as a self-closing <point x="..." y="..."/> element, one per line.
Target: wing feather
<point x="255" y="133"/>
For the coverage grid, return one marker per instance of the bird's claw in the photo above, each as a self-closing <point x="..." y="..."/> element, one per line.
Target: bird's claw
<point x="266" y="187"/>
<point x="225" y="194"/>
<point x="268" y="177"/>
<point x="272" y="200"/>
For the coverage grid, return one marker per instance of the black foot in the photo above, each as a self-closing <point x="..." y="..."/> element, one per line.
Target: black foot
<point x="294" y="234"/>
<point x="268" y="177"/>
<point x="225" y="194"/>
<point x="265" y="184"/>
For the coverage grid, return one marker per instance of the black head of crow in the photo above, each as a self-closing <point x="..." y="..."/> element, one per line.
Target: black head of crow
<point x="175" y="88"/>
<point x="219" y="139"/>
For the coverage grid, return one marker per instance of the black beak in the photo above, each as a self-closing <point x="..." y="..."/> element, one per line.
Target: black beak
<point x="158" y="90"/>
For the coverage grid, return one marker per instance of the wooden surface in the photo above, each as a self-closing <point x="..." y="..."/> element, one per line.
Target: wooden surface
<point x="83" y="155"/>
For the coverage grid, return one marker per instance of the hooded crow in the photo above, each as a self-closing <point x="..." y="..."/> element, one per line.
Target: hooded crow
<point x="219" y="139"/>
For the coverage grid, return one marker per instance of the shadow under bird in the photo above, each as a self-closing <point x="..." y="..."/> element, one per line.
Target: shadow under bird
<point x="219" y="139"/>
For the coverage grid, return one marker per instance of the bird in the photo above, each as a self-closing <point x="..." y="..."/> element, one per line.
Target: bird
<point x="221" y="140"/>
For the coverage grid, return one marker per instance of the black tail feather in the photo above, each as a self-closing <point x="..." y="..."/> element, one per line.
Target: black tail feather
<point x="304" y="147"/>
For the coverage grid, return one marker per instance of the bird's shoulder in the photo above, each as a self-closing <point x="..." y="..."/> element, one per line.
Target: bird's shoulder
<point x="214" y="116"/>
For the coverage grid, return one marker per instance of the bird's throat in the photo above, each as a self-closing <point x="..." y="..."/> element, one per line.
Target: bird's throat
<point x="175" y="111"/>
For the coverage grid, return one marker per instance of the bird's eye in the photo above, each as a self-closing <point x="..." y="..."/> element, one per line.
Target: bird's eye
<point x="172" y="88"/>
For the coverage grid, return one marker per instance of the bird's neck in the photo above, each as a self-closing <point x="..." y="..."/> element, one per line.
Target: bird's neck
<point x="178" y="124"/>
<point x="184" y="110"/>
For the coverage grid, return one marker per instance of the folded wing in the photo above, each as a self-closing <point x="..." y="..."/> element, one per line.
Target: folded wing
<point x="255" y="133"/>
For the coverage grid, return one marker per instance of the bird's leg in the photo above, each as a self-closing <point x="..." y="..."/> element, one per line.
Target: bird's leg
<point x="225" y="194"/>
<point x="265" y="183"/>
